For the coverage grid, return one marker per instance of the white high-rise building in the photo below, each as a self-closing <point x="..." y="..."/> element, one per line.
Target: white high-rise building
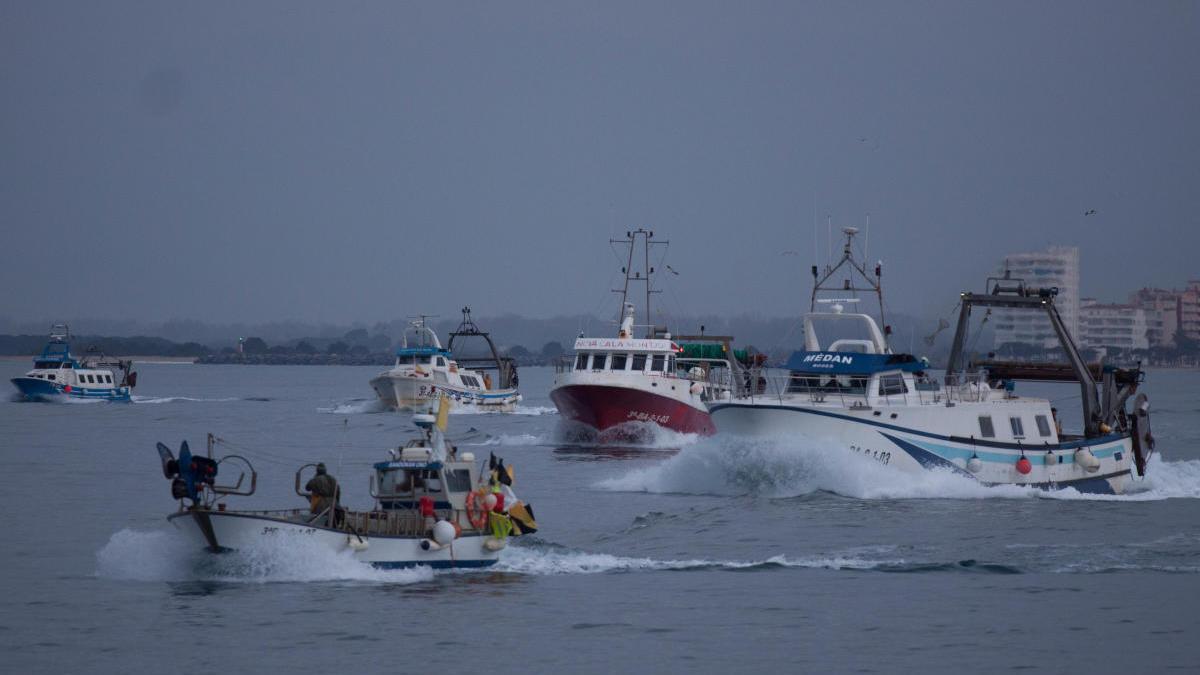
<point x="1056" y="267"/>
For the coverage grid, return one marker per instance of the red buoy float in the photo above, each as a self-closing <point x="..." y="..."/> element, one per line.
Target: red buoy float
<point x="67" y="388"/>
<point x="1024" y="466"/>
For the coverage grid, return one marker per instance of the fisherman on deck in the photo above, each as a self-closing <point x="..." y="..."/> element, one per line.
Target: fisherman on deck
<point x="322" y="491"/>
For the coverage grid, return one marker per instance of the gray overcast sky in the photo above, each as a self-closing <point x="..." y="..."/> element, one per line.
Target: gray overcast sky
<point x="362" y="161"/>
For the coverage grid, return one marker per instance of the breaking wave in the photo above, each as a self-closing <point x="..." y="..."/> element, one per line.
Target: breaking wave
<point x="781" y="468"/>
<point x="629" y="435"/>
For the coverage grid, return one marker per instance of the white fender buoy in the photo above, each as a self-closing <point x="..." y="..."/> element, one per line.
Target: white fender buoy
<point x="430" y="545"/>
<point x="357" y="543"/>
<point x="1087" y="460"/>
<point x="697" y="388"/>
<point x="974" y="465"/>
<point x="443" y="533"/>
<point x="489" y="502"/>
<point x="1050" y="459"/>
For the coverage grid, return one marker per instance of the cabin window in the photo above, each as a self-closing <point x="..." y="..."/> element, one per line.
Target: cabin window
<point x="89" y="379"/>
<point x="619" y="361"/>
<point x="45" y="365"/>
<point x="671" y="363"/>
<point x="1018" y="428"/>
<point x="108" y="379"/>
<point x="892" y="384"/>
<point x="458" y="480"/>
<point x="657" y="362"/>
<point x="639" y="362"/>
<point x="1043" y="425"/>
<point x="441" y="361"/>
<point x="50" y="376"/>
<point x="986" y="429"/>
<point x="581" y="361"/>
<point x="599" y="361"/>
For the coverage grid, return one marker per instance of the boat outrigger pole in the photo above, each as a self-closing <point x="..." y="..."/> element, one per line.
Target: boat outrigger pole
<point x="1018" y="296"/>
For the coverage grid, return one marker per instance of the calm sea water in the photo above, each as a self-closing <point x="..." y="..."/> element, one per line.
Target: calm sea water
<point x="679" y="555"/>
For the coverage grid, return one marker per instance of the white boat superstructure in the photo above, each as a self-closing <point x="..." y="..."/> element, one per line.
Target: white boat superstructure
<point x="659" y="379"/>
<point x="848" y="389"/>
<point x="431" y="507"/>
<point x="427" y="371"/>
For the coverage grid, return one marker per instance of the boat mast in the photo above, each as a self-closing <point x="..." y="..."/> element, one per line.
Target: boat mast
<point x="643" y="276"/>
<point x="874" y="282"/>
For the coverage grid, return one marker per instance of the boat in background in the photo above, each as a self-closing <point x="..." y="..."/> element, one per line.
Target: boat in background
<point x="848" y="389"/>
<point x="656" y="379"/>
<point x="433" y="506"/>
<point x="57" y="373"/>
<point x="427" y="371"/>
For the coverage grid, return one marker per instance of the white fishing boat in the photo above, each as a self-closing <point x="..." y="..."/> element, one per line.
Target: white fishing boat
<point x="433" y="506"/>
<point x="848" y="389"/>
<point x="57" y="374"/>
<point x="658" y="379"/>
<point x="427" y="371"/>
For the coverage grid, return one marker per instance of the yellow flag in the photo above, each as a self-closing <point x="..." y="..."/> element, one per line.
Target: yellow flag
<point x="443" y="416"/>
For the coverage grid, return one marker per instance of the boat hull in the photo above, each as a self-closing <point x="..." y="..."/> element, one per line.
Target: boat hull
<point x="231" y="530"/>
<point x="402" y="392"/>
<point x="915" y="449"/>
<point x="36" y="389"/>
<point x="606" y="406"/>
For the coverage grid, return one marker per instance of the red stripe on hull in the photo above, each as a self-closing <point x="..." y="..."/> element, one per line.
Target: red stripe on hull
<point x="603" y="407"/>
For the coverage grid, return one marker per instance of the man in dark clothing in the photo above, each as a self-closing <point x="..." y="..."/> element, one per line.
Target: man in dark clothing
<point x="322" y="490"/>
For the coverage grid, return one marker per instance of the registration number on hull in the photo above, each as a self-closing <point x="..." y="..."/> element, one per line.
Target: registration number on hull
<point x="877" y="455"/>
<point x="641" y="416"/>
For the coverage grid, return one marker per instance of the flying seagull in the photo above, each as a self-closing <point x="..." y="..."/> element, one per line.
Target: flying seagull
<point x="672" y="270"/>
<point x="1090" y="212"/>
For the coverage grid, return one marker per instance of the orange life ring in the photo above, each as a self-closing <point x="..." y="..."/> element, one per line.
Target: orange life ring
<point x="476" y="514"/>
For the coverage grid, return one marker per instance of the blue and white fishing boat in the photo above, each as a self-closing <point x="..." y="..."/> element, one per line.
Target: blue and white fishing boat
<point x="57" y="374"/>
<point x="849" y="390"/>
<point x="427" y="371"/>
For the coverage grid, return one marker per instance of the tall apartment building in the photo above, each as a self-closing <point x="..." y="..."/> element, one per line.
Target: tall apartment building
<point x="1112" y="327"/>
<point x="1162" y="314"/>
<point x="1057" y="266"/>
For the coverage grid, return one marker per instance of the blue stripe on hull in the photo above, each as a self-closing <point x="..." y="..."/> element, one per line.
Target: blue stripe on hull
<point x="435" y="564"/>
<point x="37" y="389"/>
<point x="1091" y="485"/>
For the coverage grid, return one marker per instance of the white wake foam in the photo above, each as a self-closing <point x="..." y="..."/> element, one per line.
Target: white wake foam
<point x="535" y="560"/>
<point x="165" y="555"/>
<point x="175" y="399"/>
<point x="514" y="439"/>
<point x="787" y="468"/>
<point x="365" y="406"/>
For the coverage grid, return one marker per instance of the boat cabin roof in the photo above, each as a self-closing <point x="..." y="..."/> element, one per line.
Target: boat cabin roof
<point x="625" y="345"/>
